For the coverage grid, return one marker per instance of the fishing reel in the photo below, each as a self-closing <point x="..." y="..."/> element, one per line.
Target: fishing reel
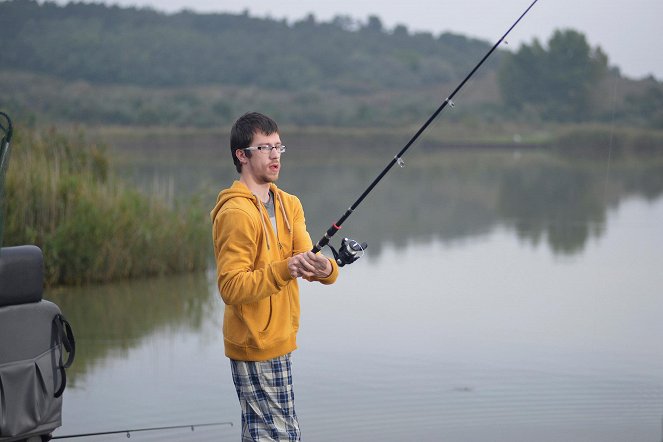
<point x="348" y="252"/>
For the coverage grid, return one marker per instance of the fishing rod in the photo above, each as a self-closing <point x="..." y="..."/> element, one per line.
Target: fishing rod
<point x="128" y="432"/>
<point x="350" y="248"/>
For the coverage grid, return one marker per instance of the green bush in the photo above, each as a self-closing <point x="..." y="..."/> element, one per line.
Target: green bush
<point x="61" y="196"/>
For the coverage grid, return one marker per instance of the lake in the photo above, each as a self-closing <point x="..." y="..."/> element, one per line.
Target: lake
<point x="511" y="294"/>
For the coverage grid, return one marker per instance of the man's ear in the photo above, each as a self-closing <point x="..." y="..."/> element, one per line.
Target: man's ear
<point x="241" y="156"/>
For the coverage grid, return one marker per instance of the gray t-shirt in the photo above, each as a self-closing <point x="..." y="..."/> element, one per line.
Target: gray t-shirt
<point x="269" y="205"/>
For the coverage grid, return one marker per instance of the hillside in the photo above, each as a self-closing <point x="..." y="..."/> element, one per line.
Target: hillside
<point x="106" y="65"/>
<point x="111" y="45"/>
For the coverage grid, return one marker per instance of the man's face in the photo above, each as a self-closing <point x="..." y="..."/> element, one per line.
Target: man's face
<point x="264" y="166"/>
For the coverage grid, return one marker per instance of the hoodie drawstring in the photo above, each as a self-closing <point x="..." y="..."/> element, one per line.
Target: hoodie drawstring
<point x="262" y="217"/>
<point x="285" y="217"/>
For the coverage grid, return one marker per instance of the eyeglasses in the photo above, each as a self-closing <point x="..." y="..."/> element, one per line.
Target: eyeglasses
<point x="267" y="148"/>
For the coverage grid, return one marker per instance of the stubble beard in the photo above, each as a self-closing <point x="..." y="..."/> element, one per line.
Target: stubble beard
<point x="269" y="177"/>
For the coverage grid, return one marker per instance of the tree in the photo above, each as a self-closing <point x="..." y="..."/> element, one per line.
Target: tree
<point x="374" y="24"/>
<point x="556" y="81"/>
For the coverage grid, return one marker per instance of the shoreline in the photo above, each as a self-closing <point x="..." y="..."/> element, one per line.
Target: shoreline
<point x="506" y="136"/>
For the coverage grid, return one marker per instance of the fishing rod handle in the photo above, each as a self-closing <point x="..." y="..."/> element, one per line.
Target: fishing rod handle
<point x="325" y="239"/>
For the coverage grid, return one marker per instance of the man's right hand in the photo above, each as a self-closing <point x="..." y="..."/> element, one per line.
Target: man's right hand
<point x="309" y="265"/>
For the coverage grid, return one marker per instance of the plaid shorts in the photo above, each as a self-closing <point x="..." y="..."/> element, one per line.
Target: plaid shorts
<point x="267" y="399"/>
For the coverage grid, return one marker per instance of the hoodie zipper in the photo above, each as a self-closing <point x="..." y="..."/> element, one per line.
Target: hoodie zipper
<point x="264" y="214"/>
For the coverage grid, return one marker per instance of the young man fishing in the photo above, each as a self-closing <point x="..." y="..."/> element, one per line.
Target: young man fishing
<point x="262" y="247"/>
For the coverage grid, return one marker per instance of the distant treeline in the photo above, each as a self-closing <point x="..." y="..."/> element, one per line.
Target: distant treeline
<point x="93" y="63"/>
<point x="111" y="45"/>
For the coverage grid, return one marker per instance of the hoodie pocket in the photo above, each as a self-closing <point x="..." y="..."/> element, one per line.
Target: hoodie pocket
<point x="257" y="318"/>
<point x="279" y="326"/>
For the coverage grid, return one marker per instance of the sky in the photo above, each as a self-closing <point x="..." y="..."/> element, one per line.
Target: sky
<point x="628" y="31"/>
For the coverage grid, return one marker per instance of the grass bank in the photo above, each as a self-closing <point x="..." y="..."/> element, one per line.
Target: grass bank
<point x="622" y="141"/>
<point x="60" y="194"/>
<point x="440" y="135"/>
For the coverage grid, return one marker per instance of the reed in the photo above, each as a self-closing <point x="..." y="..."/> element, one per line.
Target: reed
<point x="589" y="139"/>
<point x="61" y="196"/>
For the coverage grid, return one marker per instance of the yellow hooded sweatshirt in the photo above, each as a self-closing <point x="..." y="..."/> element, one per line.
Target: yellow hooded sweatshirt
<point x="261" y="317"/>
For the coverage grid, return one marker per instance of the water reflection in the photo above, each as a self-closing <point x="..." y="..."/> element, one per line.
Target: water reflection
<point x="455" y="329"/>
<point x="544" y="197"/>
<point x="565" y="202"/>
<point x="110" y="320"/>
<point x="558" y="203"/>
<point x="551" y="197"/>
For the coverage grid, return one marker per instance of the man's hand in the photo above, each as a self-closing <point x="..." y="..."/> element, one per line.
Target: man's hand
<point x="309" y="265"/>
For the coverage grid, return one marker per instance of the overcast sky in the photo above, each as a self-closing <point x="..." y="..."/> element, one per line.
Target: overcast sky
<point x="628" y="31"/>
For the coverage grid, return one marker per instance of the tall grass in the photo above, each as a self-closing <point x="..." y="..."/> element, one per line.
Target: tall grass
<point x="92" y="227"/>
<point x="588" y="139"/>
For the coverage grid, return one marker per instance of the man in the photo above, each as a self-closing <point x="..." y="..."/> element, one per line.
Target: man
<point x="261" y="247"/>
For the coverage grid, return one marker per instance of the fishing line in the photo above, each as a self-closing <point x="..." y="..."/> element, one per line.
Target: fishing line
<point x="128" y="432"/>
<point x="399" y="160"/>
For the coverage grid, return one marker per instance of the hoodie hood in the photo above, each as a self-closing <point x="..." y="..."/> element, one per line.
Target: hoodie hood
<point x="239" y="190"/>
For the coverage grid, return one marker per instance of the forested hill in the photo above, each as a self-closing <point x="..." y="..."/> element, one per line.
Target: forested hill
<point x="98" y="64"/>
<point x="111" y="45"/>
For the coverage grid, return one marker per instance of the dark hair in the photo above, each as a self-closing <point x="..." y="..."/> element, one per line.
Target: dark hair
<point x="245" y="128"/>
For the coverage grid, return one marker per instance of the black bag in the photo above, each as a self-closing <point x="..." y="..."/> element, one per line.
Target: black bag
<point x="34" y="336"/>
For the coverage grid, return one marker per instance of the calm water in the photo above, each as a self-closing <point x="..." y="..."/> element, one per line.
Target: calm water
<point x="507" y="295"/>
